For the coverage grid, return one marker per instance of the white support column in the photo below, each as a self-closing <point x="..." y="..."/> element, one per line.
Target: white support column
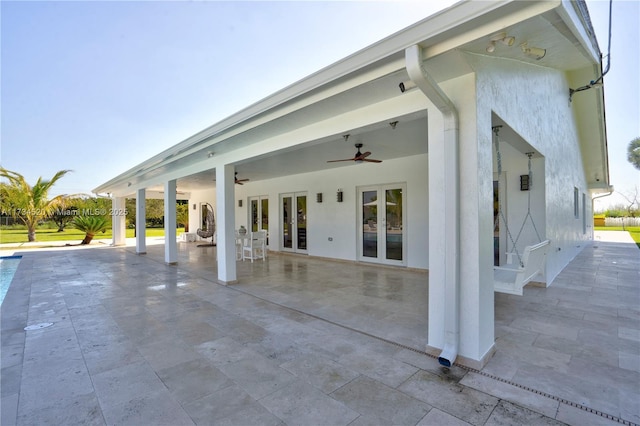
<point x="476" y="300"/>
<point x="170" y="242"/>
<point x="118" y="221"/>
<point x="437" y="226"/>
<point x="141" y="225"/>
<point x="225" y="209"/>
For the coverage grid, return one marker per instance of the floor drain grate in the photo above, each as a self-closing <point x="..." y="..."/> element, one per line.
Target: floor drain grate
<point x="38" y="326"/>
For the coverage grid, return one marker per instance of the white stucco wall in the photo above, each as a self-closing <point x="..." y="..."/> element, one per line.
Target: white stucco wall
<point x="515" y="164"/>
<point x="476" y="312"/>
<point x="534" y="102"/>
<point x="197" y="198"/>
<point x="338" y="220"/>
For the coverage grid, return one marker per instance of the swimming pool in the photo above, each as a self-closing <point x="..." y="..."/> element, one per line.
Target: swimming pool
<point x="8" y="266"/>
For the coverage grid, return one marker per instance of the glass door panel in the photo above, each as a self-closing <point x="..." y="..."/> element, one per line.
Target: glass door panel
<point x="287" y="222"/>
<point x="264" y="208"/>
<point x="369" y="223"/>
<point x="254" y="215"/>
<point x="393" y="220"/>
<point x="301" y="202"/>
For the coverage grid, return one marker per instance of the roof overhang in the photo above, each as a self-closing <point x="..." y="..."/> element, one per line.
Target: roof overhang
<point x="371" y="76"/>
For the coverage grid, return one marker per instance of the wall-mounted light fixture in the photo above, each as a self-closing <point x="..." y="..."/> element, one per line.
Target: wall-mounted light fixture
<point x="533" y="52"/>
<point x="501" y="38"/>
<point x="524" y="182"/>
<point x="393" y="124"/>
<point x="319" y="197"/>
<point x="194" y="206"/>
<point x="339" y="195"/>
<point x="239" y="203"/>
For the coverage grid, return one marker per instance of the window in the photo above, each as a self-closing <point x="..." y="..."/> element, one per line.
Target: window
<point x="576" y="205"/>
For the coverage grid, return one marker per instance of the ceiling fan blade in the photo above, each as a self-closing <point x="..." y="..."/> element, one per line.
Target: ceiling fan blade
<point x="371" y="160"/>
<point x="365" y="154"/>
<point x="346" y="159"/>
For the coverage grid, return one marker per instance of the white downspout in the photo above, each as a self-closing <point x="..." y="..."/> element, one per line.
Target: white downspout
<point x="413" y="58"/>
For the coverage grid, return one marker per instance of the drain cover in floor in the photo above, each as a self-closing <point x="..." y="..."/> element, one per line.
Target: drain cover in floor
<point x="38" y="326"/>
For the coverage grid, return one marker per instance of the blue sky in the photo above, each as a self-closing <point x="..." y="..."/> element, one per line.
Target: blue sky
<point x="98" y="87"/>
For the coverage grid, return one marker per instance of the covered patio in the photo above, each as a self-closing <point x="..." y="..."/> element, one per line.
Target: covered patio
<point x="135" y="340"/>
<point x="420" y="109"/>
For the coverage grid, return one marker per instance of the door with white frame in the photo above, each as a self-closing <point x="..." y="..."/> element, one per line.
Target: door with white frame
<point x="381" y="224"/>
<point x="293" y="220"/>
<point x="259" y="214"/>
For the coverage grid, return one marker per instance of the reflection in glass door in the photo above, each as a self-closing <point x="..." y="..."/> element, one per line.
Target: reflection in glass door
<point x="382" y="238"/>
<point x="370" y="224"/>
<point x="293" y="218"/>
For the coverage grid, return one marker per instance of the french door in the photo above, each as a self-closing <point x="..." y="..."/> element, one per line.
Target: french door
<point x="293" y="218"/>
<point x="382" y="230"/>
<point x="259" y="214"/>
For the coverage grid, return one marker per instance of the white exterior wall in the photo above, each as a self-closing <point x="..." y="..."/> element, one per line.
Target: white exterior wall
<point x="333" y="219"/>
<point x="534" y="101"/>
<point x="514" y="164"/>
<point x="197" y="198"/>
<point x="338" y="220"/>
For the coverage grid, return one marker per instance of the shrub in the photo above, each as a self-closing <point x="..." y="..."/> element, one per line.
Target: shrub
<point x="90" y="225"/>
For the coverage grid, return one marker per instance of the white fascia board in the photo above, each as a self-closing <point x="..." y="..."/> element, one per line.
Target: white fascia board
<point x="420" y="32"/>
<point x="577" y="25"/>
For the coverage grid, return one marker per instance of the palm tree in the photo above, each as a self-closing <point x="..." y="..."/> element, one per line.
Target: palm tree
<point x="29" y="204"/>
<point x="633" y="153"/>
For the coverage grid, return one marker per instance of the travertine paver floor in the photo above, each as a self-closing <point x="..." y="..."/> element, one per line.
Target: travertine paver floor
<point x="135" y="341"/>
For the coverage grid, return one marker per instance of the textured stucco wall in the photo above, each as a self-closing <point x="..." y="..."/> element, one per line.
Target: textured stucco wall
<point x="533" y="101"/>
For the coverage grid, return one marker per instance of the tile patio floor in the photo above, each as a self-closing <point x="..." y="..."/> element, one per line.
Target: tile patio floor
<point x="306" y="341"/>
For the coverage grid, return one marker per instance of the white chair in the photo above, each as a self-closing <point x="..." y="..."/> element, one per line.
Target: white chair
<point x="239" y="244"/>
<point x="255" y="247"/>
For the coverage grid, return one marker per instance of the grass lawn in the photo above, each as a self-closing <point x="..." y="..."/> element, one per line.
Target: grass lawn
<point x="70" y="234"/>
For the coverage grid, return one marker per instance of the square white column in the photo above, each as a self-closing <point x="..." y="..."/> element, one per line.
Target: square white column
<point x="118" y="221"/>
<point x="225" y="209"/>
<point x="170" y="242"/>
<point x="141" y="225"/>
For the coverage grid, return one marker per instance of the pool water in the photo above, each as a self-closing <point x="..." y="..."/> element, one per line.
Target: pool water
<point x="8" y="266"/>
